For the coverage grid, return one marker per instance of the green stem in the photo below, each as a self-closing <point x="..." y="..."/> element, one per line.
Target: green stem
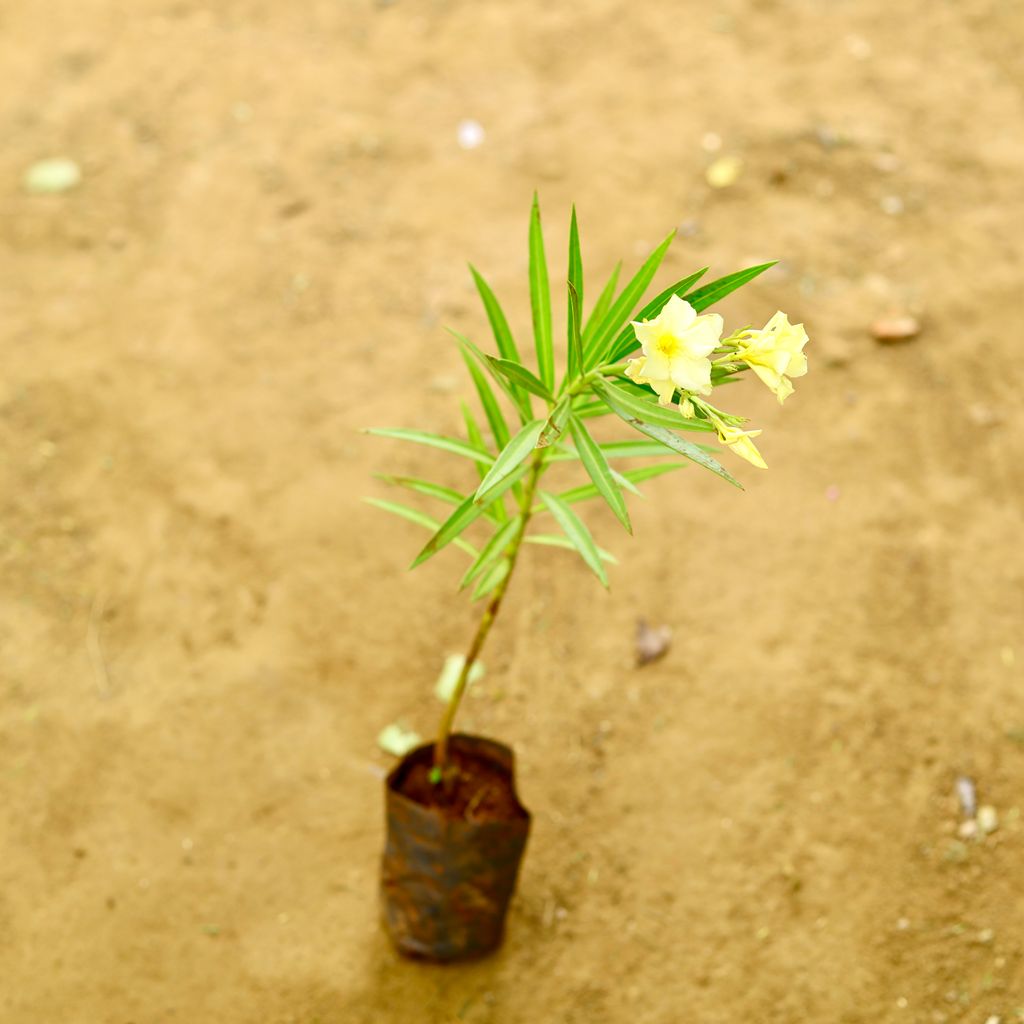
<point x="486" y="620"/>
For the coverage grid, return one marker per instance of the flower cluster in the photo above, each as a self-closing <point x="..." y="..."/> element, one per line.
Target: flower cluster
<point x="677" y="346"/>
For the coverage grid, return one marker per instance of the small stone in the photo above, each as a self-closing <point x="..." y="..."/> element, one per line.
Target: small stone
<point x="652" y="642"/>
<point x="967" y="829"/>
<point x="48" y="177"/>
<point x="1007" y="656"/>
<point x="987" y="819"/>
<point x="982" y="415"/>
<point x="892" y="205"/>
<point x="832" y="492"/>
<point x="892" y="329"/>
<point x="985" y="936"/>
<point x="724" y="172"/>
<point x="470" y="134"/>
<point x="966" y="795"/>
<point x="711" y="142"/>
<point x="902" y="1002"/>
<point x="903" y="924"/>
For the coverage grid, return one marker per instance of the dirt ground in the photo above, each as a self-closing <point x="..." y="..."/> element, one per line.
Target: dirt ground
<point x="203" y="628"/>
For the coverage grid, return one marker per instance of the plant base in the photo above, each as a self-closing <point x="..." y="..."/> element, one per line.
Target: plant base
<point x="453" y="850"/>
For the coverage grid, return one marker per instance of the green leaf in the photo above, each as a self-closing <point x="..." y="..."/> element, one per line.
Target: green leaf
<point x="467" y="512"/>
<point x="448" y="444"/>
<point x="626" y="341"/>
<point x="493" y="578"/>
<point x="518" y="398"/>
<point x="716" y="290"/>
<point x="491" y="550"/>
<point x="419" y="518"/>
<point x="632" y="449"/>
<point x="599" y="471"/>
<point x="521" y="377"/>
<point x="550" y="540"/>
<point x="575" y="267"/>
<point x="427" y="487"/>
<point x="587" y="491"/>
<point x="475" y="437"/>
<point x="488" y="401"/>
<point x="540" y="300"/>
<point x="650" y="411"/>
<point x="666" y="437"/>
<point x="601" y="307"/>
<point x="496" y="316"/>
<point x="574" y="529"/>
<point x="555" y="423"/>
<point x="511" y="457"/>
<point x="623" y="306"/>
<point x="575" y="341"/>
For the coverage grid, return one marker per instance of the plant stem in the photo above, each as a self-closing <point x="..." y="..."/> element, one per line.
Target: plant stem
<point x="487" y="619"/>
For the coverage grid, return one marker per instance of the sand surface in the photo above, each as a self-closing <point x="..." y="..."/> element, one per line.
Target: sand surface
<point x="203" y="628"/>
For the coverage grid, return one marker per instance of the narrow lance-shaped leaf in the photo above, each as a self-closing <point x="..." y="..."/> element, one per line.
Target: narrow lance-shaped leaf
<point x="420" y="519"/>
<point x="520" y="376"/>
<point x="653" y="412"/>
<point x="599" y="471"/>
<point x="601" y="307"/>
<point x="551" y="540"/>
<point x="575" y="268"/>
<point x="446" y="494"/>
<point x="448" y="444"/>
<point x="503" y="336"/>
<point x="577" y="532"/>
<point x="488" y="401"/>
<point x="540" y="300"/>
<point x="476" y="438"/>
<point x="587" y="491"/>
<point x="623" y="306"/>
<point x="519" y="398"/>
<point x="716" y="290"/>
<point x="626" y="340"/>
<point x="510" y="457"/>
<point x="491" y="550"/>
<point x="493" y="578"/>
<point x="575" y="341"/>
<point x="469" y="511"/>
<point x="555" y="423"/>
<point x="666" y="437"/>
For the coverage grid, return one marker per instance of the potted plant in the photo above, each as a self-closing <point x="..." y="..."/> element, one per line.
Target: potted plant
<point x="456" y="830"/>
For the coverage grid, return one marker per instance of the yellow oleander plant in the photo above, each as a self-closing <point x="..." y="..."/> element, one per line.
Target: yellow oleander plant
<point x="537" y="421"/>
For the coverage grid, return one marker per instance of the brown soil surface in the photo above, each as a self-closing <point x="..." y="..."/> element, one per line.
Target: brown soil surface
<point x="475" y="788"/>
<point x="203" y="628"/>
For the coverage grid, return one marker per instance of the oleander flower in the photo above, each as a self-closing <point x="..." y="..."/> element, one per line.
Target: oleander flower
<point x="740" y="442"/>
<point x="676" y="345"/>
<point x="775" y="353"/>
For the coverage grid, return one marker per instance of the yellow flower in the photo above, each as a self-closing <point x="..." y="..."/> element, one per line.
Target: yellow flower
<point x="776" y="353"/>
<point x="740" y="442"/>
<point x="676" y="345"/>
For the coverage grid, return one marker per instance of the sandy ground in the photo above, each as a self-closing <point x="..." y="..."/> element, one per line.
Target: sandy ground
<point x="203" y="628"/>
